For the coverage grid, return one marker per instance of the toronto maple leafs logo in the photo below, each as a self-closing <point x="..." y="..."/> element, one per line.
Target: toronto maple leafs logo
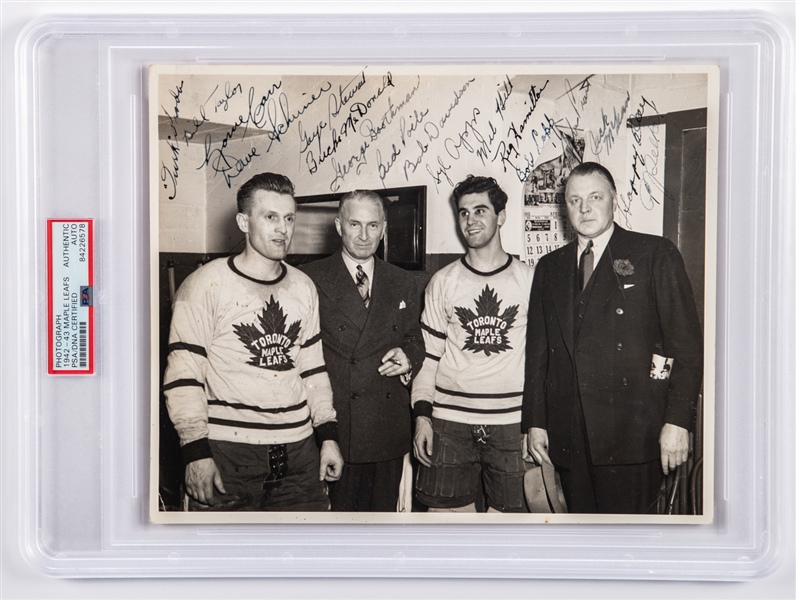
<point x="487" y="327"/>
<point x="267" y="339"/>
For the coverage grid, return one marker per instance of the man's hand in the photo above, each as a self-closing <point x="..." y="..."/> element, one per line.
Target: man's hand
<point x="331" y="461"/>
<point x="200" y="477"/>
<point x="395" y="362"/>
<point x="538" y="444"/>
<point x="674" y="447"/>
<point x="424" y="440"/>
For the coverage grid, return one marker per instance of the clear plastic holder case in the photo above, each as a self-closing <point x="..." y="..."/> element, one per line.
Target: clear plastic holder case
<point x="84" y="440"/>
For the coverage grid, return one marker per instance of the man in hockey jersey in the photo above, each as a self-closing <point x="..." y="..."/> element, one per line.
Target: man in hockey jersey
<point x="246" y="385"/>
<point x="467" y="397"/>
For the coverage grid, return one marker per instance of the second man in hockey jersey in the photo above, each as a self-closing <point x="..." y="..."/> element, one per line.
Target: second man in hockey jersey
<point x="467" y="397"/>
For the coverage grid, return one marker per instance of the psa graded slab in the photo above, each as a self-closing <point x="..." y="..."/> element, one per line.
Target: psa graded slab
<point x="295" y="297"/>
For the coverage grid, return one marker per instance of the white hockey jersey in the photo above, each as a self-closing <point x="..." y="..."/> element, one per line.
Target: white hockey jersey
<point x="474" y="329"/>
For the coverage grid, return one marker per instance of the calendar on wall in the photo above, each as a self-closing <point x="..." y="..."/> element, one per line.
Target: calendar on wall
<point x="544" y="213"/>
<point x="546" y="229"/>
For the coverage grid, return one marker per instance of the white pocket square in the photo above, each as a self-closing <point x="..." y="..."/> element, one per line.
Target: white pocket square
<point x="629" y="285"/>
<point x="401" y="305"/>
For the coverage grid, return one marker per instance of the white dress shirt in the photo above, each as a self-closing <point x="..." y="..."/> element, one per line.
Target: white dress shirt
<point x="599" y="244"/>
<point x="367" y="266"/>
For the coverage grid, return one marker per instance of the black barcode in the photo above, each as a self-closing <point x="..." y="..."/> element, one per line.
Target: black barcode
<point x="82" y="336"/>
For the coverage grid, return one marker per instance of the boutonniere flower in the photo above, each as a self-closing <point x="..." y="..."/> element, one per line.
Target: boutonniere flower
<point x="623" y="267"/>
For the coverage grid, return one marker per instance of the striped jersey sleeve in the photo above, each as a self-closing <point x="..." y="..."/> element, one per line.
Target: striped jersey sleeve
<point x="186" y="369"/>
<point x="434" y="323"/>
<point x="312" y="370"/>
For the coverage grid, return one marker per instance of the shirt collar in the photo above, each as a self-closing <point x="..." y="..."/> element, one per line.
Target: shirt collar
<point x="599" y="244"/>
<point x="352" y="265"/>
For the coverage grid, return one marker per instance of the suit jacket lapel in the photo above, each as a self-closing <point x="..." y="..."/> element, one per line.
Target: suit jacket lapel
<point x="339" y="286"/>
<point x="562" y="284"/>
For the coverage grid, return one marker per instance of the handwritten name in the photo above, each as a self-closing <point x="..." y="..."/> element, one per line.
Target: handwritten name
<point x="644" y="183"/>
<point x="608" y="129"/>
<point x="468" y="140"/>
<point x="510" y="158"/>
<point x="170" y="175"/>
<point x="457" y="95"/>
<point x="220" y="162"/>
<point x="344" y="94"/>
<point x="549" y="133"/>
<point x="356" y="113"/>
<point x="341" y="169"/>
<point x="256" y="115"/>
<point x="280" y="115"/>
<point x="196" y="123"/>
<point x="431" y="132"/>
<point x="327" y="149"/>
<point x="504" y="91"/>
<point x="578" y="94"/>
<point x="230" y="91"/>
<point x="372" y="131"/>
<point x="533" y="99"/>
<point x="385" y="166"/>
<point x="176" y="93"/>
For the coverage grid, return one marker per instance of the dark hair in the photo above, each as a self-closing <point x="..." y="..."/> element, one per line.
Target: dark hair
<point x="592" y="168"/>
<point x="362" y="195"/>
<point x="478" y="185"/>
<point x="269" y="182"/>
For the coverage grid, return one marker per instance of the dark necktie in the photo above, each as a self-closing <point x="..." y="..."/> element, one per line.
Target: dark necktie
<point x="586" y="265"/>
<point x="362" y="286"/>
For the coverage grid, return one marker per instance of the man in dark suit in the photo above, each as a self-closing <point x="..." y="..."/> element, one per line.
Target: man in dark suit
<point x="602" y="310"/>
<point x="372" y="344"/>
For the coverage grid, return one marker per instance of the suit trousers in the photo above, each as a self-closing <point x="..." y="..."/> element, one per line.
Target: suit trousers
<point x="368" y="487"/>
<point x="612" y="489"/>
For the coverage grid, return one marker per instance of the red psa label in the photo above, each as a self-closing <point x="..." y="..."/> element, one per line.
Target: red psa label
<point x="70" y="296"/>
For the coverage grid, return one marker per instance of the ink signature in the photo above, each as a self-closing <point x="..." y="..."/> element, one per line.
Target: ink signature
<point x="280" y="116"/>
<point x="457" y="95"/>
<point x="341" y="170"/>
<point x="230" y="91"/>
<point x="504" y="91"/>
<point x="385" y="166"/>
<point x="220" y="162"/>
<point x="533" y="100"/>
<point x="644" y="183"/>
<point x="356" y="114"/>
<point x="608" y="129"/>
<point x="170" y="175"/>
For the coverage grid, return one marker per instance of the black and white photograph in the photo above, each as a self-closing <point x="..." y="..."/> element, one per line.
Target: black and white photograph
<point x="459" y="294"/>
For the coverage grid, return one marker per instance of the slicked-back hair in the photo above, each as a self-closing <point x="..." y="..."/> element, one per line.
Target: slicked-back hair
<point x="269" y="182"/>
<point x="592" y="168"/>
<point x="478" y="185"/>
<point x="362" y="195"/>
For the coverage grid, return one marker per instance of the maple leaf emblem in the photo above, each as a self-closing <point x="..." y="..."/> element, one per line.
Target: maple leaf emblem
<point x="487" y="327"/>
<point x="268" y="340"/>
